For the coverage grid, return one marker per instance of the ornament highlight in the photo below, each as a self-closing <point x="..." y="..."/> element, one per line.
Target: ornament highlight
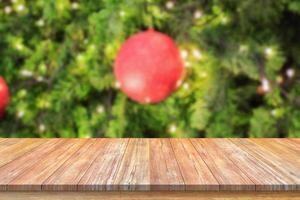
<point x="148" y="67"/>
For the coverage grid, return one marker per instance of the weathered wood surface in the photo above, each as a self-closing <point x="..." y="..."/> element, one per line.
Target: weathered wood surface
<point x="206" y="165"/>
<point x="151" y="195"/>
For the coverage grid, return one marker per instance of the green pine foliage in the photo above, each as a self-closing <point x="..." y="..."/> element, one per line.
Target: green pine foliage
<point x="242" y="69"/>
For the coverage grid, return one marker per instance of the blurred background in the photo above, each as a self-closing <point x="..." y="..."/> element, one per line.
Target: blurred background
<point x="241" y="58"/>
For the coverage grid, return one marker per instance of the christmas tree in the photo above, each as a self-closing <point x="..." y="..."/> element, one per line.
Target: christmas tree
<point x="241" y="62"/>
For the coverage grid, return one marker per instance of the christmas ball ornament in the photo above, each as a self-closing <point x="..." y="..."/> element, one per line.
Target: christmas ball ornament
<point x="4" y="96"/>
<point x="148" y="67"/>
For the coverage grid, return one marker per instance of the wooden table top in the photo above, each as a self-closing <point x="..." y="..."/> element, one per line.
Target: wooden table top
<point x="149" y="164"/>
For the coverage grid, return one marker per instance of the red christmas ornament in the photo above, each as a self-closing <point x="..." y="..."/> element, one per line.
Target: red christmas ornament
<point x="4" y="96"/>
<point x="148" y="67"/>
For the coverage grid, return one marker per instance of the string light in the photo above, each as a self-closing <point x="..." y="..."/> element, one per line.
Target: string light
<point x="169" y="5"/>
<point x="279" y="79"/>
<point x="80" y="57"/>
<point x="197" y="54"/>
<point x="265" y="85"/>
<point x="117" y="85"/>
<point x="198" y="14"/>
<point x="290" y="73"/>
<point x="243" y="48"/>
<point x="40" y="22"/>
<point x="203" y="75"/>
<point x="42" y="128"/>
<point x="85" y="41"/>
<point x="187" y="64"/>
<point x="172" y="128"/>
<point x="224" y="20"/>
<point x="92" y="47"/>
<point x="7" y="9"/>
<point x="268" y="51"/>
<point x="274" y="112"/>
<point x="186" y="86"/>
<point x="100" y="109"/>
<point x="122" y="13"/>
<point x="20" y="114"/>
<point x="40" y="79"/>
<point x="20" y="8"/>
<point x="19" y="46"/>
<point x="184" y="54"/>
<point x="26" y="73"/>
<point x="75" y="5"/>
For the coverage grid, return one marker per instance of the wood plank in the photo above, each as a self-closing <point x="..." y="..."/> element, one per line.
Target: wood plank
<point x="13" y="148"/>
<point x="15" y="168"/>
<point x="33" y="178"/>
<point x="280" y="151"/>
<point x="162" y="195"/>
<point x="134" y="172"/>
<point x="289" y="158"/>
<point x="164" y="170"/>
<point x="275" y="164"/>
<point x="196" y="174"/>
<point x="229" y="176"/>
<point x="2" y="140"/>
<point x="296" y="140"/>
<point x="101" y="174"/>
<point x="256" y="170"/>
<point x="289" y="143"/>
<point x="149" y="164"/>
<point x="6" y="142"/>
<point x="68" y="175"/>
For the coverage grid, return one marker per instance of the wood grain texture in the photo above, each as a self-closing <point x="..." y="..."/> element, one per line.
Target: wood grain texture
<point x="102" y="173"/>
<point x="33" y="178"/>
<point x="277" y="149"/>
<point x="274" y="163"/>
<point x="149" y="165"/>
<point x="288" y="143"/>
<point x="13" y="169"/>
<point x="14" y="148"/>
<point x="134" y="173"/>
<point x="196" y="174"/>
<point x="66" y="177"/>
<point x="163" y="195"/>
<point x="257" y="171"/>
<point x="165" y="173"/>
<point x="229" y="176"/>
<point x="2" y="140"/>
